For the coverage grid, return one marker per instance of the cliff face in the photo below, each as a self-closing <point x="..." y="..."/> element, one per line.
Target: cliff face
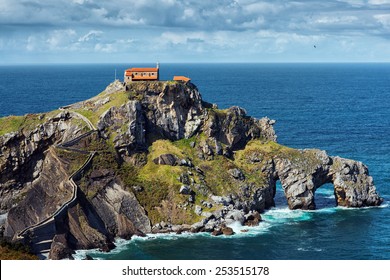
<point x="160" y="159"/>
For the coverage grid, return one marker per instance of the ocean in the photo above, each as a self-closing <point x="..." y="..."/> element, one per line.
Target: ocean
<point x="341" y="108"/>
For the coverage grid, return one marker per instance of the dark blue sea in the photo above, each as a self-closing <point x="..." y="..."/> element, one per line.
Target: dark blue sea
<point x="341" y="108"/>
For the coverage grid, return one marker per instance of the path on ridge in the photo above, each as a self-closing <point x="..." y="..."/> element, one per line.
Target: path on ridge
<point x="43" y="232"/>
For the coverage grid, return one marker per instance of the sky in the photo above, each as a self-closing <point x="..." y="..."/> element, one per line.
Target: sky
<point x="122" y="31"/>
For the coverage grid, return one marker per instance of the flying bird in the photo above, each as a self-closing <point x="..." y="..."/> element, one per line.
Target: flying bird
<point x="315" y="46"/>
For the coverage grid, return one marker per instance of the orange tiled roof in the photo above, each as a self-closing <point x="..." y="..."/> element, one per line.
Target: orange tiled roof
<point x="142" y="69"/>
<point x="181" y="78"/>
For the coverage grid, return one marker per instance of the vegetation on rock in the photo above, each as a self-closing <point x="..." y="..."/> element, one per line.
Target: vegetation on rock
<point x="164" y="160"/>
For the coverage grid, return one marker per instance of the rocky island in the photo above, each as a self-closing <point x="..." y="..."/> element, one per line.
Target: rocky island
<point x="151" y="157"/>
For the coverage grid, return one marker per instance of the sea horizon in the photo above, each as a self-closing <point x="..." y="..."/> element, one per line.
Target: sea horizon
<point x="343" y="110"/>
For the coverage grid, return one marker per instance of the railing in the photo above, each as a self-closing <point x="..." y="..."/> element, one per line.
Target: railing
<point x="64" y="206"/>
<point x="71" y="178"/>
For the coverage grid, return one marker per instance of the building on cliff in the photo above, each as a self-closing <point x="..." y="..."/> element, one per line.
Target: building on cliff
<point x="181" y="79"/>
<point x="141" y="74"/>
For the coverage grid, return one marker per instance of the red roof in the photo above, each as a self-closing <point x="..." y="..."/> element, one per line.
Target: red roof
<point x="142" y="70"/>
<point x="181" y="78"/>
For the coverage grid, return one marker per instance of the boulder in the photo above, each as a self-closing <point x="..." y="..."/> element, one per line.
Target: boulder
<point x="138" y="188"/>
<point x="252" y="219"/>
<point x="236" y="215"/>
<point x="221" y="200"/>
<point x="186" y="190"/>
<point x="210" y="225"/>
<point x="198" y="210"/>
<point x="166" y="159"/>
<point x="198" y="227"/>
<point x="227" y="231"/>
<point x="237" y="174"/>
<point x="60" y="248"/>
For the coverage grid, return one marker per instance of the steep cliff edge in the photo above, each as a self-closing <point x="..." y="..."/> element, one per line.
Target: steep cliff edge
<point x="164" y="160"/>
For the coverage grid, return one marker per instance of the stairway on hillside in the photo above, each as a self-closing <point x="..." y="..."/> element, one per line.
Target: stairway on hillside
<point x="41" y="238"/>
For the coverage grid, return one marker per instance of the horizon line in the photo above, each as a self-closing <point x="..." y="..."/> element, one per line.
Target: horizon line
<point x="168" y="62"/>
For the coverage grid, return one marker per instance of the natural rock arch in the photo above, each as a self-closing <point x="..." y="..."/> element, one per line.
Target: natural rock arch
<point x="300" y="177"/>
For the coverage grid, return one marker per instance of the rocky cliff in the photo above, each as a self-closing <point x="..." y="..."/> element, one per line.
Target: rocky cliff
<point x="154" y="157"/>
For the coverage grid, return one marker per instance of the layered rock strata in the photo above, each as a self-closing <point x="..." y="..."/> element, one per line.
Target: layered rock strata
<point x="165" y="161"/>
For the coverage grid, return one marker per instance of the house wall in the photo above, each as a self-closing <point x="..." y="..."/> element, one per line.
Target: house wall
<point x="142" y="76"/>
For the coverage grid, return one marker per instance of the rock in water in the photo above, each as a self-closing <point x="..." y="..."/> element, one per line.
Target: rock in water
<point x="301" y="178"/>
<point x="227" y="231"/>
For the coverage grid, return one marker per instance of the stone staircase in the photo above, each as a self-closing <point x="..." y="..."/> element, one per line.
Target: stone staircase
<point x="40" y="235"/>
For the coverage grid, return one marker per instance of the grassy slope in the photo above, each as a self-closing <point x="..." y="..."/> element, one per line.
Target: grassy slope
<point x="93" y="113"/>
<point x="24" y="123"/>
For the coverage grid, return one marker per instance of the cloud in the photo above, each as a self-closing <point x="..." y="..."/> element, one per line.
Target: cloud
<point x="383" y="19"/>
<point x="217" y="29"/>
<point x="221" y="15"/>
<point x="379" y="2"/>
<point x="61" y="39"/>
<point x="91" y="35"/>
<point x="106" y="48"/>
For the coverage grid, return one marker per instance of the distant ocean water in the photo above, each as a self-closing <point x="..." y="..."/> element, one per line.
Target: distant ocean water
<point x="341" y="108"/>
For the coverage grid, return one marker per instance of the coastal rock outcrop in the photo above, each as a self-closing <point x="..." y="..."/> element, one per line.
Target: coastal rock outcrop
<point x="22" y="152"/>
<point x="353" y="187"/>
<point x="160" y="156"/>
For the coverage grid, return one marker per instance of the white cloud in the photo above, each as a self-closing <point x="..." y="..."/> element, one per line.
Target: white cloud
<point x="106" y="48"/>
<point x="61" y="39"/>
<point x="379" y="2"/>
<point x="263" y="8"/>
<point x="383" y="19"/>
<point x="181" y="38"/>
<point x="224" y="28"/>
<point x="32" y="43"/>
<point x="91" y="35"/>
<point x="336" y="19"/>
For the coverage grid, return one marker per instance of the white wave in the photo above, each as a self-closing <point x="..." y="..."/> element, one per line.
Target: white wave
<point x="324" y="210"/>
<point x="242" y="231"/>
<point x="120" y="245"/>
<point x="384" y="205"/>
<point x="272" y="217"/>
<point x="309" y="249"/>
<point x="81" y="254"/>
<point x="283" y="215"/>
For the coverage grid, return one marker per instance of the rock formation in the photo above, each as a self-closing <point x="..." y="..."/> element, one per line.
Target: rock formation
<point x="160" y="160"/>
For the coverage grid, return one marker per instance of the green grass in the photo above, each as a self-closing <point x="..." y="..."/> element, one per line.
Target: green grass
<point x="172" y="82"/>
<point x="218" y="179"/>
<point x="27" y="122"/>
<point x="267" y="150"/>
<point x="11" y="124"/>
<point x="93" y="114"/>
<point x="160" y="197"/>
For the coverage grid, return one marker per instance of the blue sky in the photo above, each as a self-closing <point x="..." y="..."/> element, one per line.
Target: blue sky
<point x="85" y="31"/>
